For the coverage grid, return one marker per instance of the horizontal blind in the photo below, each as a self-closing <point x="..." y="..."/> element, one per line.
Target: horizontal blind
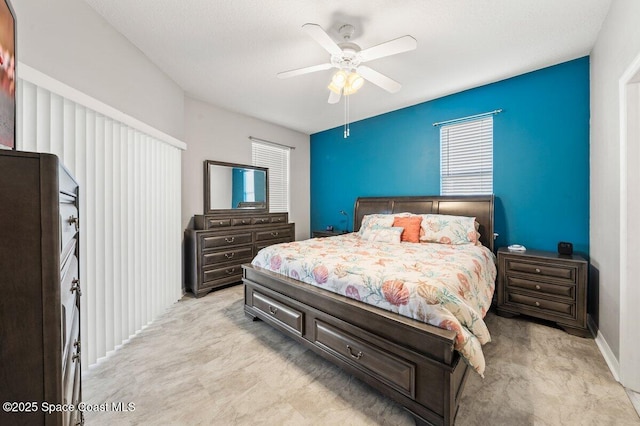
<point x="276" y="159"/>
<point x="466" y="158"/>
<point x="129" y="208"/>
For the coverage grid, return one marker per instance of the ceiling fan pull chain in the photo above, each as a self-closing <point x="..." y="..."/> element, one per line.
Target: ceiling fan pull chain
<point x="348" y="102"/>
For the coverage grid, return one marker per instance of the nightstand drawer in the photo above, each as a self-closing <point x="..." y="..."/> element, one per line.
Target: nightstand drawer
<point x="547" y="306"/>
<point x="563" y="272"/>
<point x="545" y="288"/>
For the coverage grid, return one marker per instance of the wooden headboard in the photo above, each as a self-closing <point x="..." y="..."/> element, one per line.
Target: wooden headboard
<point x="478" y="206"/>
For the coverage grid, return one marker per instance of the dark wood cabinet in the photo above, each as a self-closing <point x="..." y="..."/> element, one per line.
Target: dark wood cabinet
<point x="39" y="280"/>
<point x="221" y="243"/>
<point x="545" y="285"/>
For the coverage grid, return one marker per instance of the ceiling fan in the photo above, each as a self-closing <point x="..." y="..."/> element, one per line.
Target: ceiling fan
<point x="348" y="58"/>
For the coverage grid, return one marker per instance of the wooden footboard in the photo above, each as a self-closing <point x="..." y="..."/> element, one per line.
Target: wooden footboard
<point x="408" y="361"/>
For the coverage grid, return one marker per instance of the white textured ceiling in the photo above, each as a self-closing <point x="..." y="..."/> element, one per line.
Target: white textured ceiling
<point x="228" y="52"/>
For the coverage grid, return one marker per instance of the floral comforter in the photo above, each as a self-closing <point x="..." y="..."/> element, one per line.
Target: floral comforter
<point x="449" y="286"/>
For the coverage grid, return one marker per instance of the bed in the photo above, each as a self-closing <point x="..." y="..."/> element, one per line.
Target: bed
<point x="406" y="359"/>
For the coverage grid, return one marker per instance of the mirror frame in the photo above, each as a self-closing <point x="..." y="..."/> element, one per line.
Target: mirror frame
<point x="207" y="188"/>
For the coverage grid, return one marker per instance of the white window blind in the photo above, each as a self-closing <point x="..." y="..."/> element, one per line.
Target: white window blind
<point x="276" y="159"/>
<point x="466" y="158"/>
<point x="129" y="206"/>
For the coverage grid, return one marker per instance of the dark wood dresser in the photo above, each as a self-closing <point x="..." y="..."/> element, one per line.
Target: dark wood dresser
<point x="39" y="280"/>
<point x="545" y="285"/>
<point x="221" y="243"/>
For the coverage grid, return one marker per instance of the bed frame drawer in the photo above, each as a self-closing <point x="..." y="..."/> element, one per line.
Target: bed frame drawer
<point x="284" y="315"/>
<point x="386" y="367"/>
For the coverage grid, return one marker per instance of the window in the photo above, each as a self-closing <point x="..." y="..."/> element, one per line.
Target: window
<point x="466" y="157"/>
<point x="276" y="159"/>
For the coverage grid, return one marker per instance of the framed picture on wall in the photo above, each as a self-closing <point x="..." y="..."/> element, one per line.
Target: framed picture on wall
<point x="7" y="76"/>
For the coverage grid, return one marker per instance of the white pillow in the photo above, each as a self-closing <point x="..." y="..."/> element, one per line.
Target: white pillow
<point x="389" y="234"/>
<point x="446" y="229"/>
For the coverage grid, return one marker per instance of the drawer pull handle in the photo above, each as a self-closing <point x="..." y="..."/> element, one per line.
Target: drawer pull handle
<point x="230" y="271"/>
<point x="229" y="255"/>
<point x="75" y="286"/>
<point x="74" y="220"/>
<point x="221" y="223"/>
<point x="244" y="222"/>
<point x="538" y="270"/>
<point x="274" y="234"/>
<point x="537" y="303"/>
<point x="230" y="239"/>
<point x="537" y="287"/>
<point x="273" y="310"/>
<point x="356" y="356"/>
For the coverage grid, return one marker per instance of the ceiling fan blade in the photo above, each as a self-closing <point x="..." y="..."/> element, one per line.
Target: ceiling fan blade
<point x="318" y="34"/>
<point x="378" y="79"/>
<point x="393" y="47"/>
<point x="334" y="97"/>
<point x="306" y="70"/>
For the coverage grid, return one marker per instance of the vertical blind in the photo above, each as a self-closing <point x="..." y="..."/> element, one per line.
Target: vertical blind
<point x="129" y="208"/>
<point x="276" y="159"/>
<point x="466" y="158"/>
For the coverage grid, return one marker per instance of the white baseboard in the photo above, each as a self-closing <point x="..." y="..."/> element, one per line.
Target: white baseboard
<point x="607" y="354"/>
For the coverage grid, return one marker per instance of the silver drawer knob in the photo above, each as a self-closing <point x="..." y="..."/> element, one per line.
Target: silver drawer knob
<point x="75" y="286"/>
<point x="230" y="239"/>
<point x="273" y="310"/>
<point x="537" y="303"/>
<point x="537" y="287"/>
<point x="538" y="270"/>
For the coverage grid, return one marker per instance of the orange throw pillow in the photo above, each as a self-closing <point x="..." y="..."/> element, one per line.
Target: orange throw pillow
<point x="411" y="227"/>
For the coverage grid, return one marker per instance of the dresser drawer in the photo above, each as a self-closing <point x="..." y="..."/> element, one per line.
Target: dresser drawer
<point x="216" y="276"/>
<point x="547" y="306"/>
<point x="69" y="223"/>
<point x="237" y="254"/>
<point x="241" y="221"/>
<point x="274" y="234"/>
<point x="260" y="220"/>
<point x="68" y="299"/>
<point x="280" y="312"/>
<point x="279" y="218"/>
<point x="217" y="222"/>
<point x="386" y="367"/>
<point x="561" y="272"/>
<point x="216" y="241"/>
<point x="544" y="288"/>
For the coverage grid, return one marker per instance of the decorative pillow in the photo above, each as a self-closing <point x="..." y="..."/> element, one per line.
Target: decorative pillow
<point x="375" y="221"/>
<point x="446" y="229"/>
<point x="411" y="225"/>
<point x="383" y="234"/>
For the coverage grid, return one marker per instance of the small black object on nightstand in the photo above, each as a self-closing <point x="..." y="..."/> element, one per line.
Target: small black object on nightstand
<point x="565" y="248"/>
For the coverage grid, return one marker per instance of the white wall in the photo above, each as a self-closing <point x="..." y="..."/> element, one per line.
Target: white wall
<point x="69" y="41"/>
<point x="212" y="133"/>
<point x="617" y="46"/>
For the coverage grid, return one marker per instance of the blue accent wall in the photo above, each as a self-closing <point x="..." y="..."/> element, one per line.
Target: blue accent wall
<point x="541" y="156"/>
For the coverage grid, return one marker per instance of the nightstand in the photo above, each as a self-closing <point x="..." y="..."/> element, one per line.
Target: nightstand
<point x="544" y="285"/>
<point x="320" y="234"/>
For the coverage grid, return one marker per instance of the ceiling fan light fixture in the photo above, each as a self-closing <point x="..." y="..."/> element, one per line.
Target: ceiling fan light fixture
<point x="355" y="81"/>
<point x="339" y="78"/>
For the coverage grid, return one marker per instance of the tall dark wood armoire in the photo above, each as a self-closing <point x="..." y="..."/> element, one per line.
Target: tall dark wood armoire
<point x="39" y="282"/>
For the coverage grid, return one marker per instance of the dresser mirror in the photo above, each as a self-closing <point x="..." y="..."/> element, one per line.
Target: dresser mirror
<point x="230" y="187"/>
